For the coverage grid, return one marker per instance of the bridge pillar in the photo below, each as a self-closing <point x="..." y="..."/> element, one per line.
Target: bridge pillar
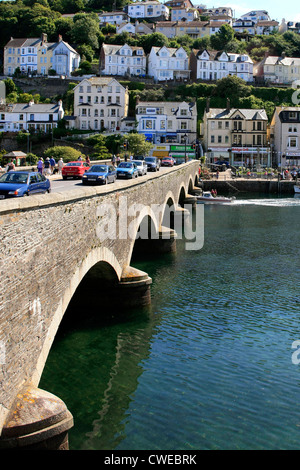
<point x="38" y="420"/>
<point x="190" y="200"/>
<point x="133" y="289"/>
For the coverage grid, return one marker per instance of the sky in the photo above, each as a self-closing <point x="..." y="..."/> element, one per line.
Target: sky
<point x="289" y="9"/>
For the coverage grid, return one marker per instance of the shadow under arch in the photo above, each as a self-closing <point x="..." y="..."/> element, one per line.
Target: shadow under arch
<point x="100" y="264"/>
<point x="182" y="196"/>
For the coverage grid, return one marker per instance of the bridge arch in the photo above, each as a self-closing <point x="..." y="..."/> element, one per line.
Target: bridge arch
<point x="101" y="258"/>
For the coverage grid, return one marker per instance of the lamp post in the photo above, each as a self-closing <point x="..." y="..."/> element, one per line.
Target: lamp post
<point x="185" y="138"/>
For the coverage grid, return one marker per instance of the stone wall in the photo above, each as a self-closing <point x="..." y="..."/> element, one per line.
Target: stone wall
<point x="48" y="244"/>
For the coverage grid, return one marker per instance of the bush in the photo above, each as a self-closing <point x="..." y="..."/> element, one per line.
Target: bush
<point x="68" y="154"/>
<point x="31" y="159"/>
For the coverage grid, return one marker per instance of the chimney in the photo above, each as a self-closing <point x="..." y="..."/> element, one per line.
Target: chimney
<point x="207" y="105"/>
<point x="31" y="102"/>
<point x="44" y="37"/>
<point x="228" y="105"/>
<point x="59" y="38"/>
<point x="137" y="100"/>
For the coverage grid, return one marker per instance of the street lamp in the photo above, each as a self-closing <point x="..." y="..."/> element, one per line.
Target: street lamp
<point x="185" y="139"/>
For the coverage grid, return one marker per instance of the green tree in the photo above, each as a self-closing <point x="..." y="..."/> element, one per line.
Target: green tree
<point x="232" y="87"/>
<point x="86" y="30"/>
<point x="222" y="38"/>
<point x="137" y="144"/>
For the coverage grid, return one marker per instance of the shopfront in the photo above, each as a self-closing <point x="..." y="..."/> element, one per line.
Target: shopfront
<point x="250" y="157"/>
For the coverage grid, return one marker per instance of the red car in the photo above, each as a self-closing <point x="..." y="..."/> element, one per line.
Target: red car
<point x="167" y="161"/>
<point x="74" y="169"/>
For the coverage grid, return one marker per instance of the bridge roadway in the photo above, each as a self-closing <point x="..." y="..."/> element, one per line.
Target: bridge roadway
<point x="49" y="245"/>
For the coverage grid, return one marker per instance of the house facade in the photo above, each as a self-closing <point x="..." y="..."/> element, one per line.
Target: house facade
<point x="184" y="14"/>
<point x="167" y="63"/>
<point x="151" y="10"/>
<point x="112" y="17"/>
<point x="167" y="122"/>
<point x="38" y="56"/>
<point x="100" y="103"/>
<point x="122" y="60"/>
<point x="239" y="136"/>
<point x="285" y="136"/>
<point x="283" y="70"/>
<point x="214" y="65"/>
<point x="30" y="116"/>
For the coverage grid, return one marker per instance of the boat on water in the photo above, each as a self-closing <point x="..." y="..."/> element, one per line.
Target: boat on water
<point x="297" y="188"/>
<point x="208" y="198"/>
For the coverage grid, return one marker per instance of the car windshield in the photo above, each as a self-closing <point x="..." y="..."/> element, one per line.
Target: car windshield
<point x="98" y="169"/>
<point x="14" y="178"/>
<point x="74" y="164"/>
<point x="125" y="165"/>
<point x="138" y="163"/>
<point x="150" y="159"/>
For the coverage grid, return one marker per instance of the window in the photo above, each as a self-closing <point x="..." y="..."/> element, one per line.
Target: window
<point x="212" y="139"/>
<point x="293" y="142"/>
<point x="220" y="125"/>
<point x="219" y="139"/>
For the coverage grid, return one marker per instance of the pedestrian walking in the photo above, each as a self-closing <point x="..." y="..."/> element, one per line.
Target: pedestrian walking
<point x="52" y="165"/>
<point x="47" y="167"/>
<point x="118" y="159"/>
<point x="87" y="160"/>
<point x="60" y="164"/>
<point x="113" y="160"/>
<point x="10" y="166"/>
<point x="40" y="166"/>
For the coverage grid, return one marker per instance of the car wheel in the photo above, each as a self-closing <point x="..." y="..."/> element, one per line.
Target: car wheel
<point x="48" y="191"/>
<point x="64" y="177"/>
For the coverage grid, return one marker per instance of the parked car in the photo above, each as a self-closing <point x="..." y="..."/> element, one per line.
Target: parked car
<point x="23" y="183"/>
<point x="141" y="166"/>
<point x="74" y="169"/>
<point x="139" y="157"/>
<point x="167" y="161"/>
<point x="100" y="174"/>
<point x="127" y="170"/>
<point x="153" y="163"/>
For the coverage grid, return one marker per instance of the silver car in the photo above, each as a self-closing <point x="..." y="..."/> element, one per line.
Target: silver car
<point x="141" y="166"/>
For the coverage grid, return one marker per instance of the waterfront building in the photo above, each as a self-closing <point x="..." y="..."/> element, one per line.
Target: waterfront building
<point x="238" y="136"/>
<point x="100" y="103"/>
<point x="34" y="117"/>
<point x="193" y="29"/>
<point x="168" y="63"/>
<point x="214" y="65"/>
<point x="285" y="136"/>
<point x="167" y="122"/>
<point x="38" y="56"/>
<point x="122" y="60"/>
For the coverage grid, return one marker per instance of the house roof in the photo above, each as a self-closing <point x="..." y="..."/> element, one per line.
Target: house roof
<point x="112" y="49"/>
<point x="35" y="108"/>
<point x="249" y="114"/>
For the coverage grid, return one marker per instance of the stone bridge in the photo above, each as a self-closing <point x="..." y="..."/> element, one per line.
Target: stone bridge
<point x="49" y="245"/>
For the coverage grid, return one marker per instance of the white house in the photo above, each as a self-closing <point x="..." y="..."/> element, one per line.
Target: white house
<point x="184" y="14"/>
<point x="135" y="28"/>
<point x="112" y="17"/>
<point x="214" y="65"/>
<point x="256" y="15"/>
<point x="163" y="122"/>
<point x="148" y="10"/>
<point x="167" y="63"/>
<point x="122" y="60"/>
<point x="64" y="58"/>
<point x="285" y="132"/>
<point x="100" y="103"/>
<point x="30" y="116"/>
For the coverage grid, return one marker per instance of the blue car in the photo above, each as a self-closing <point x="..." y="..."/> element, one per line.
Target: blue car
<point x="127" y="170"/>
<point x="23" y="183"/>
<point x="100" y="174"/>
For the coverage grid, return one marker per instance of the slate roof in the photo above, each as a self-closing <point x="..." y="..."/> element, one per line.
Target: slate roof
<point x="249" y="114"/>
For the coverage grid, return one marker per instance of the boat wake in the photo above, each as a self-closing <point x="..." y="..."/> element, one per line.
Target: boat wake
<point x="284" y="202"/>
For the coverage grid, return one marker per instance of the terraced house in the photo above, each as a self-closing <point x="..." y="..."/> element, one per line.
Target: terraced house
<point x="239" y="136"/>
<point x="215" y="65"/>
<point x="168" y="63"/>
<point x="122" y="60"/>
<point x="38" y="56"/>
<point x="165" y="122"/>
<point x="35" y="117"/>
<point x="100" y="103"/>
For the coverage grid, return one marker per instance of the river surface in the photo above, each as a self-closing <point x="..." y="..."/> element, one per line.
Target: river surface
<point x="213" y="363"/>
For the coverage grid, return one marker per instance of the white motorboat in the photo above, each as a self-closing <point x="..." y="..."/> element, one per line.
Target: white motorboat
<point x="297" y="188"/>
<point x="208" y="198"/>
